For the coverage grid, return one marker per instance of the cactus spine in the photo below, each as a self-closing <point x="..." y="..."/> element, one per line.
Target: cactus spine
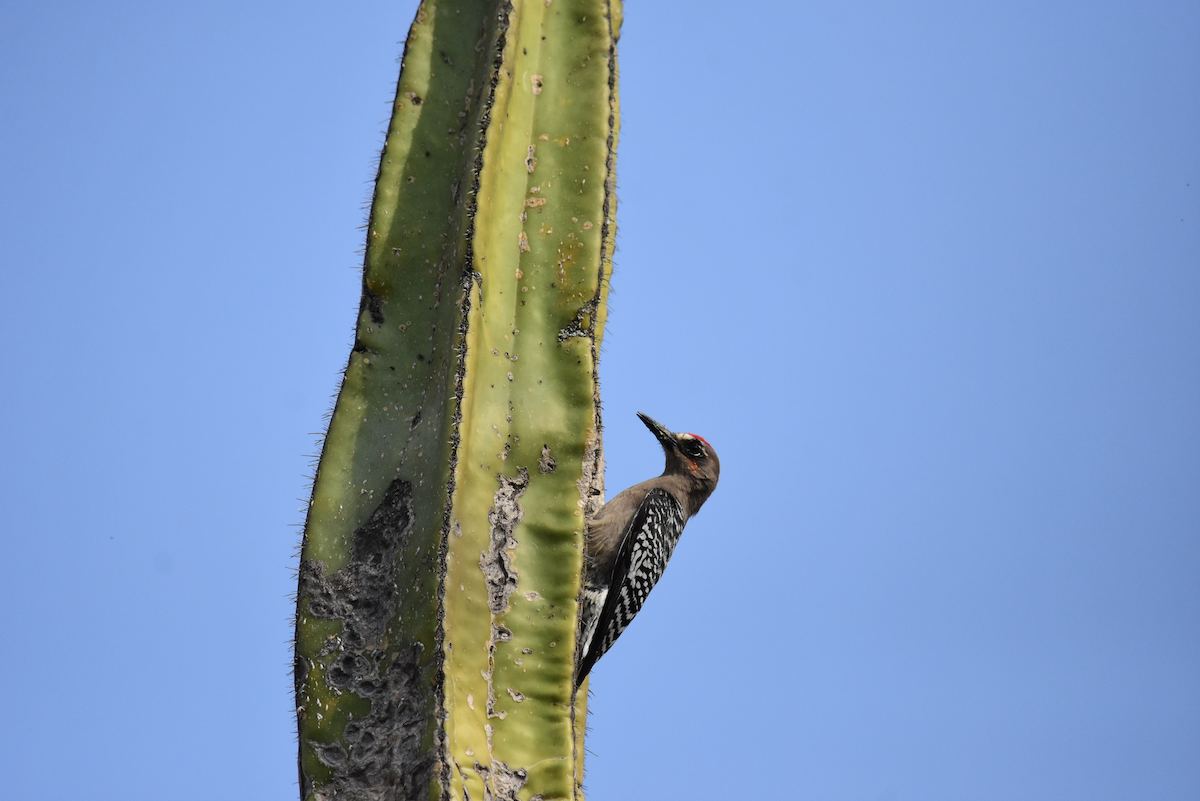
<point x="436" y="613"/>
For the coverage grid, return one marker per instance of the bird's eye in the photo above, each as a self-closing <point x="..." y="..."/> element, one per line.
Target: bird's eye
<point x="692" y="449"/>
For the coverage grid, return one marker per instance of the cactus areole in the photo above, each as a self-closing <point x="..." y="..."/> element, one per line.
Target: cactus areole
<point x="440" y="568"/>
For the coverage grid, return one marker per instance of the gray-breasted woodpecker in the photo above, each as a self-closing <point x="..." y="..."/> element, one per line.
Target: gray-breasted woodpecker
<point x="629" y="541"/>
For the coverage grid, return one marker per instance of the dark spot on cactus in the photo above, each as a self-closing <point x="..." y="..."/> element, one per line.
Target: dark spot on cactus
<point x="365" y="738"/>
<point x="371" y="303"/>
<point x="420" y="357"/>
<point x="507" y="781"/>
<point x="384" y="746"/>
<point x="415" y="421"/>
<point x="546" y="464"/>
<point x="497" y="563"/>
<point x="344" y="672"/>
<point x="332" y="754"/>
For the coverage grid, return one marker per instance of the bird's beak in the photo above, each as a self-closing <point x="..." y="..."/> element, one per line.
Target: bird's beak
<point x="664" y="434"/>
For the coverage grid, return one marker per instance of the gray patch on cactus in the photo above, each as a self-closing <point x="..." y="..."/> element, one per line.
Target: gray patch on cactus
<point x="501" y="782"/>
<point x="496" y="563"/>
<point x="498" y="571"/>
<point x="584" y="323"/>
<point x="331" y="754"/>
<point x="591" y="483"/>
<point x="382" y="748"/>
<point x="546" y="464"/>
<point x="362" y="594"/>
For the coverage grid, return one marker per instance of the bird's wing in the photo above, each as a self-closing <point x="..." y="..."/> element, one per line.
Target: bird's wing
<point x="646" y="546"/>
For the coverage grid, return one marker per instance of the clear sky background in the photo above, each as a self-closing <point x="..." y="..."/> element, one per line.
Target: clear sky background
<point x="927" y="275"/>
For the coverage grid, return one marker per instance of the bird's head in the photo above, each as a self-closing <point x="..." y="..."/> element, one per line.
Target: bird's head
<point x="688" y="455"/>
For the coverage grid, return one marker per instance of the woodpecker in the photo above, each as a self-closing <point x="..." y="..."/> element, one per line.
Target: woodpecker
<point x="629" y="541"/>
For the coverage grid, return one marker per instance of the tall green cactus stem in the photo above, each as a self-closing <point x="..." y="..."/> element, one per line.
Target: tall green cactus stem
<point x="440" y="568"/>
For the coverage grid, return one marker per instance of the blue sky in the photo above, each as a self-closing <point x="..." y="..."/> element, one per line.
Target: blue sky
<point x="927" y="275"/>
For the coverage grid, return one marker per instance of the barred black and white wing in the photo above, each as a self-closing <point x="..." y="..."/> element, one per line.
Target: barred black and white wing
<point x="646" y="547"/>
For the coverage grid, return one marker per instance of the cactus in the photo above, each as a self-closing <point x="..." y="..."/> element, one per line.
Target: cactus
<point x="440" y="566"/>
